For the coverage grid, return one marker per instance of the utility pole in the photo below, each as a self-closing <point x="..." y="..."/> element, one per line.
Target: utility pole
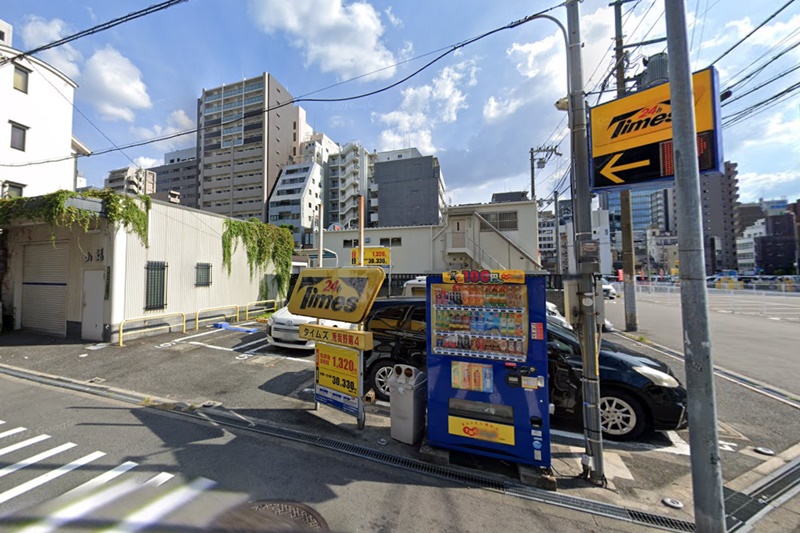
<point x="626" y="216"/>
<point x="549" y="150"/>
<point x="558" y="234"/>
<point x="587" y="264"/>
<point x="709" y="507"/>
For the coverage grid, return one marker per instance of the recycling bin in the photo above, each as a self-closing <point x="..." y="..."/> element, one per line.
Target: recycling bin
<point x="408" y="398"/>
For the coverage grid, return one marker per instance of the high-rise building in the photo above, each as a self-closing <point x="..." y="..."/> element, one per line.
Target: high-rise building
<point x="410" y="190"/>
<point x="719" y="194"/>
<point x="179" y="174"/>
<point x="131" y="180"/>
<point x="776" y="251"/>
<point x="349" y="173"/>
<point x="243" y="141"/>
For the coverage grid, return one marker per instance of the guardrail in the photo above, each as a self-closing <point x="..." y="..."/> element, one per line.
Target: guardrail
<point x="247" y="307"/>
<point x="197" y="314"/>
<point x="152" y="317"/>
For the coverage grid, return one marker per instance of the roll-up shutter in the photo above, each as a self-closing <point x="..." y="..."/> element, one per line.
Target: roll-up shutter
<point x="44" y="288"/>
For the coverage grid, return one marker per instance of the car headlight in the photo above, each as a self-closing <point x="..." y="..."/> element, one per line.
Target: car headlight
<point x="662" y="379"/>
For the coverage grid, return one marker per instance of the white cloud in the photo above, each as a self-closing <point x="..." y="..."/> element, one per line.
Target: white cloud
<point x="146" y="162"/>
<point x="529" y="55"/>
<point x="177" y="121"/>
<point x="495" y="109"/>
<point x="393" y="20"/>
<point x="754" y="185"/>
<point x="341" y="38"/>
<point x="407" y="52"/>
<point x="425" y="106"/>
<point x="114" y="85"/>
<point x="37" y="31"/>
<point x="340" y="121"/>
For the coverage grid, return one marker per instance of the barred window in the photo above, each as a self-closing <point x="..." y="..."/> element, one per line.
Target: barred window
<point x="156" y="285"/>
<point x="502" y="220"/>
<point x="394" y="241"/>
<point x="202" y="276"/>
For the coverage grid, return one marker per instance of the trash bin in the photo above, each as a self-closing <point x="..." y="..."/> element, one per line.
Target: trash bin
<point x="408" y="390"/>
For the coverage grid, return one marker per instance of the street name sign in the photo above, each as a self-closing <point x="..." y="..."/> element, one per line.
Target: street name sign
<point x="631" y="137"/>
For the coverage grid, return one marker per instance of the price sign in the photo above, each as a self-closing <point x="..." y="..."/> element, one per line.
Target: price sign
<point x="337" y="377"/>
<point x="373" y="256"/>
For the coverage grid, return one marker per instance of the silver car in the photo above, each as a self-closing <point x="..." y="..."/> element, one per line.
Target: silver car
<point x="283" y="329"/>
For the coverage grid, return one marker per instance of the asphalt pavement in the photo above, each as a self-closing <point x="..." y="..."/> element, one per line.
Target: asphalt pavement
<point x="235" y="378"/>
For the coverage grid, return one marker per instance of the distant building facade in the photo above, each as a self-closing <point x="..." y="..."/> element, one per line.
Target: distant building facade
<point x="410" y="189"/>
<point x="178" y="174"/>
<point x="131" y="180"/>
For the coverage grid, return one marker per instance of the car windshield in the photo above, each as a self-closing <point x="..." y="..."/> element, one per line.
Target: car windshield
<point x="563" y="331"/>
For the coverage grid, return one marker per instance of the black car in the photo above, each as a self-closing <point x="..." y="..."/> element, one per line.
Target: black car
<point x="638" y="393"/>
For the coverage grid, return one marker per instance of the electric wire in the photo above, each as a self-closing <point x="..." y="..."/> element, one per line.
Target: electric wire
<point x="749" y="77"/>
<point x="95" y="29"/>
<point x="764" y="84"/>
<point x="293" y="101"/>
<point x="743" y="39"/>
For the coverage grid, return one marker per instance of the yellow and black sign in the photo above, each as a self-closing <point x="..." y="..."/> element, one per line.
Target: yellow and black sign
<point x="631" y="137"/>
<point x="373" y="256"/>
<point x="360" y="340"/>
<point x="344" y="294"/>
<point x="489" y="277"/>
<point x="481" y="430"/>
<point x="337" y="369"/>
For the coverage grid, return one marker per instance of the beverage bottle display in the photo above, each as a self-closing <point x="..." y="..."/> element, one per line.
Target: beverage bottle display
<point x="501" y="296"/>
<point x="480" y="289"/>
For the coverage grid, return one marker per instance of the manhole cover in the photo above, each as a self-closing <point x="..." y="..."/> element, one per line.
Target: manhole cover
<point x="270" y="516"/>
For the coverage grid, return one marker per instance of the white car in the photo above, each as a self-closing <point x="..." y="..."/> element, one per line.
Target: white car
<point x="608" y="289"/>
<point x="283" y="329"/>
<point x="556" y="316"/>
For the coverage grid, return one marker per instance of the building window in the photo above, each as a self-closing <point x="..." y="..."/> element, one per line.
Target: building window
<point x="348" y="243"/>
<point x="18" y="133"/>
<point x="502" y="220"/>
<point x="13" y="190"/>
<point x="20" y="79"/>
<point x="394" y="241"/>
<point x="202" y="275"/>
<point x="156" y="285"/>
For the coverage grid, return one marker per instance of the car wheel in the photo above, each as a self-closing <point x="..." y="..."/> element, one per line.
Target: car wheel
<point x="621" y="416"/>
<point x="379" y="379"/>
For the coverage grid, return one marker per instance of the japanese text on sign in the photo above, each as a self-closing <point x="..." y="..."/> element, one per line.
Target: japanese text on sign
<point x="337" y="369"/>
<point x="361" y="340"/>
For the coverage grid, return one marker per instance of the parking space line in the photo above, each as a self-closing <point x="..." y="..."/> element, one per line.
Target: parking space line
<point x="215" y="330"/>
<point x="678" y="447"/>
<point x="197" y="343"/>
<point x="243" y="346"/>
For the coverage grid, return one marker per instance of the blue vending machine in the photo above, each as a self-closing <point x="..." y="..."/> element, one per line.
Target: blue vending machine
<point x="487" y="364"/>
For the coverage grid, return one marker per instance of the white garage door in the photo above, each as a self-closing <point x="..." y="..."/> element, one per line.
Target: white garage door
<point x="44" y="288"/>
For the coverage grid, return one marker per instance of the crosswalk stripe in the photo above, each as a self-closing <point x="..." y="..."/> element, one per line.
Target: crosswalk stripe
<point x="152" y="513"/>
<point x="12" y="432"/>
<point x="10" y="469"/>
<point x="82" y="507"/>
<point x="44" y="478"/>
<point x="160" y="479"/>
<point x="101" y="479"/>
<point x="22" y="444"/>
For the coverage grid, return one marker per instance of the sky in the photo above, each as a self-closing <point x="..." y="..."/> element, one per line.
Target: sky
<point x="479" y="110"/>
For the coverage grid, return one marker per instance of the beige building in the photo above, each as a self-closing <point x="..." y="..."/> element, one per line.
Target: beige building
<point x="131" y="180"/>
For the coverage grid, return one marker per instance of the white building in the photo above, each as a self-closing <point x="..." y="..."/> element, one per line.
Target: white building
<point x="131" y="180"/>
<point x="600" y="233"/>
<point x="350" y="171"/>
<point x="35" y="125"/>
<point x="746" y="247"/>
<point x="296" y="198"/>
<point x="85" y="284"/>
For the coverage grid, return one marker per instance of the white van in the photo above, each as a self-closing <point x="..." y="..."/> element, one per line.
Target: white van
<point x="415" y="287"/>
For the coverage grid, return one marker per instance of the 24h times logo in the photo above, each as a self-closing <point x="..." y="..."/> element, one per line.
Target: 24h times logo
<point x="641" y="119"/>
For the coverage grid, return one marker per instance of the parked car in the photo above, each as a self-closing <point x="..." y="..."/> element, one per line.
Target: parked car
<point x="609" y="291"/>
<point x="638" y="393"/>
<point x="283" y="329"/>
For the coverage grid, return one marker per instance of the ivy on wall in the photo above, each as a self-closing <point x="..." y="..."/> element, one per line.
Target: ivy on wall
<point x="53" y="209"/>
<point x="265" y="244"/>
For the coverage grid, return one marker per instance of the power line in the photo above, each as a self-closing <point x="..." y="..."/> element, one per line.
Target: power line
<point x="760" y="107"/>
<point x="764" y="84"/>
<point x="774" y="58"/>
<point x="293" y="101"/>
<point x="95" y="29"/>
<point x="743" y="39"/>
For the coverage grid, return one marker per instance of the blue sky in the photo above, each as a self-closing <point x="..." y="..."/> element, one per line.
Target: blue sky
<point x="479" y="110"/>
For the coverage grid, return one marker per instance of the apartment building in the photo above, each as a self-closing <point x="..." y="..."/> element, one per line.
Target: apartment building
<point x="406" y="188"/>
<point x="746" y="247"/>
<point x="35" y="124"/>
<point x="178" y="174"/>
<point x="349" y="173"/>
<point x="131" y="180"/>
<point x="244" y="139"/>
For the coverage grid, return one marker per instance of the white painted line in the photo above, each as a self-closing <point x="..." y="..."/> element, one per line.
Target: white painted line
<point x="81" y="508"/>
<point x="615" y="467"/>
<point x="10" y="469"/>
<point x="12" y="432"/>
<point x="257" y="348"/>
<point x="152" y="513"/>
<point x="211" y="346"/>
<point x="160" y="479"/>
<point x="215" y="330"/>
<point x="19" y="445"/>
<point x="243" y="346"/>
<point x="681" y="449"/>
<point x="2" y="422"/>
<point x="44" y="478"/>
<point x="101" y="479"/>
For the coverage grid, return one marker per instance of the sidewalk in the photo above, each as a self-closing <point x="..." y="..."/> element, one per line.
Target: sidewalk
<point x="233" y="378"/>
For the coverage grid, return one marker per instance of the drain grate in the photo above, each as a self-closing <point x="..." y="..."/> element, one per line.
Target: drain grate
<point x="779" y="486"/>
<point x="663" y="522"/>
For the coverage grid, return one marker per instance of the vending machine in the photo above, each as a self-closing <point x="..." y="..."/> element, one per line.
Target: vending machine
<point x="487" y="364"/>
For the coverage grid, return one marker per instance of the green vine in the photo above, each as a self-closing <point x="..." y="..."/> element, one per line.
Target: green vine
<point x="53" y="209"/>
<point x="265" y="244"/>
